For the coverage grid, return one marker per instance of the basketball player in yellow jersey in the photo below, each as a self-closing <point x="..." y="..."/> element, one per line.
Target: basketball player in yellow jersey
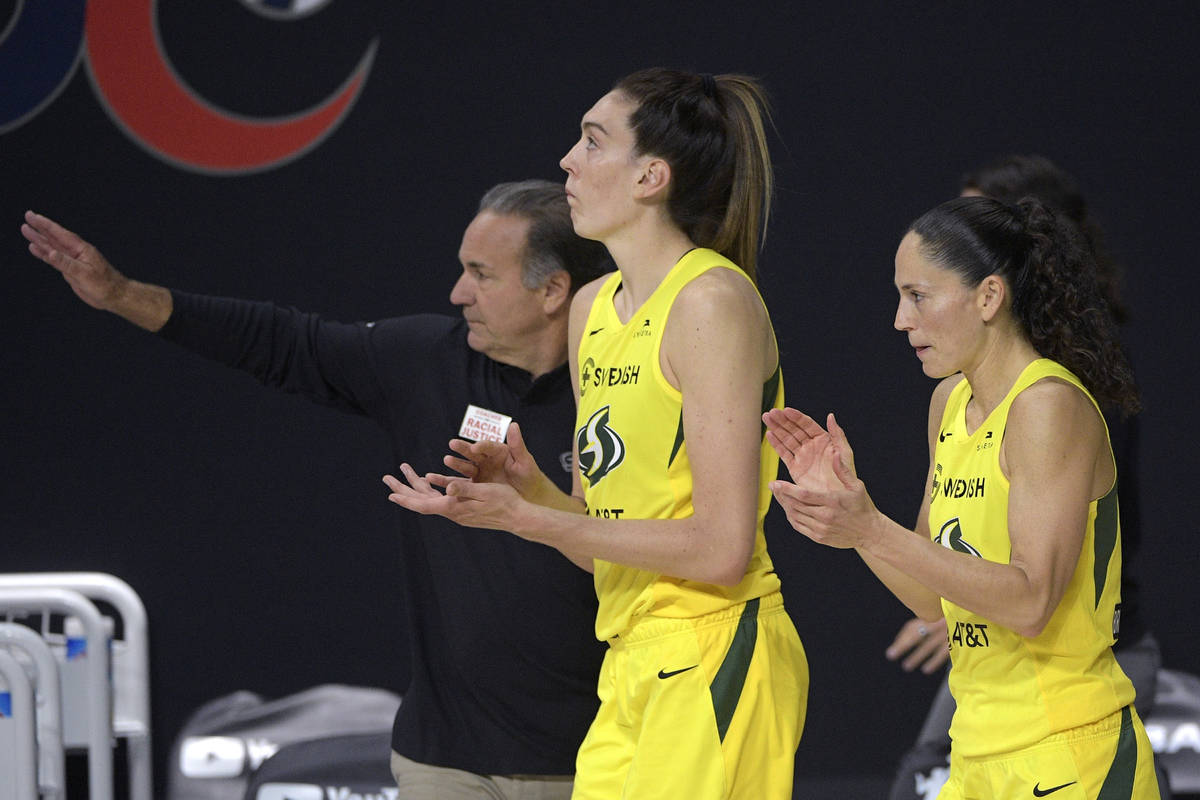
<point x="704" y="686"/>
<point x="1017" y="541"/>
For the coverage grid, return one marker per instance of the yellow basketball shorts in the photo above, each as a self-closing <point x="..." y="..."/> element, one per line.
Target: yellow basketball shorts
<point x="1106" y="760"/>
<point x="704" y="709"/>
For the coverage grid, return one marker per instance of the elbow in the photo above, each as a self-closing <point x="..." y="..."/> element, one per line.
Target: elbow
<point x="1032" y="628"/>
<point x="728" y="567"/>
<point x="931" y="614"/>
<point x="1033" y="619"/>
<point x="727" y="577"/>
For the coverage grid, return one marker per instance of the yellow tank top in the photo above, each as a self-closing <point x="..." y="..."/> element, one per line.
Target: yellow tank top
<point x="634" y="459"/>
<point x="1012" y="691"/>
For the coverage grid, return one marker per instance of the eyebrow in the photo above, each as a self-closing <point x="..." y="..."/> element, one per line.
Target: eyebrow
<point x="588" y="124"/>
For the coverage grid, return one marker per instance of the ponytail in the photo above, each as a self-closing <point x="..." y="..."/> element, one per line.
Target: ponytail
<point x="1061" y="307"/>
<point x="710" y="129"/>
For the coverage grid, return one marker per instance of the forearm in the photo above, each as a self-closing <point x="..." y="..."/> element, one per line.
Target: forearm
<point x="681" y="548"/>
<point x="918" y="597"/>
<point x="327" y="362"/>
<point x="145" y="305"/>
<point x="544" y="492"/>
<point x="1002" y="593"/>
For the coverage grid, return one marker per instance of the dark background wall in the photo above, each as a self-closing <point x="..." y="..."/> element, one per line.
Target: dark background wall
<point x="254" y="525"/>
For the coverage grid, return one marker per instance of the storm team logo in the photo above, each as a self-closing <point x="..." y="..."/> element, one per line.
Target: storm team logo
<point x="601" y="449"/>
<point x="951" y="537"/>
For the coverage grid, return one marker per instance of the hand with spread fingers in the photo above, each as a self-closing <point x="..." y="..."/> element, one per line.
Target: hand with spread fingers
<point x="508" y="462"/>
<point x="473" y="505"/>
<point x="825" y="500"/>
<point x="801" y="443"/>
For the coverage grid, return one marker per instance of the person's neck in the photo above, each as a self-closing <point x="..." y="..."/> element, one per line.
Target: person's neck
<point x="644" y="256"/>
<point x="546" y="352"/>
<point x="1002" y="362"/>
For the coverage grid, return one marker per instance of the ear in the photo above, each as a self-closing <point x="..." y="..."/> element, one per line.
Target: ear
<point x="556" y="293"/>
<point x="653" y="180"/>
<point x="990" y="296"/>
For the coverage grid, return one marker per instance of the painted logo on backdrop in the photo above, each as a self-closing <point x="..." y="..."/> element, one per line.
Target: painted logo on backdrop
<point x="44" y="41"/>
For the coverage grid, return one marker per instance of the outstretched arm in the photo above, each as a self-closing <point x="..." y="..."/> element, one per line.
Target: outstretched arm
<point x="93" y="279"/>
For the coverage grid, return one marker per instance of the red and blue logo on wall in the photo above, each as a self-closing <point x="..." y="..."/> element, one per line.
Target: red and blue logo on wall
<point x="45" y="40"/>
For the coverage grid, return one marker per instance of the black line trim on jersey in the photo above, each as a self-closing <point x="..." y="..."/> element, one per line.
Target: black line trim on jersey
<point x="726" y="687"/>
<point x="1118" y="783"/>
<point x="678" y="440"/>
<point x="1104" y="539"/>
<point x="770" y="389"/>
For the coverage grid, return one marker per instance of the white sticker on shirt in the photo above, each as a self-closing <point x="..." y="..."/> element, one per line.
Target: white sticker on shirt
<point x="483" y="425"/>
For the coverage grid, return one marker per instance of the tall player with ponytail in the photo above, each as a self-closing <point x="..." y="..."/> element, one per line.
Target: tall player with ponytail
<point x="704" y="686"/>
<point x="1017" y="542"/>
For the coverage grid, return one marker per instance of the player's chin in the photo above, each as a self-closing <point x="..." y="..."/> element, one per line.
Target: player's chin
<point x="936" y="371"/>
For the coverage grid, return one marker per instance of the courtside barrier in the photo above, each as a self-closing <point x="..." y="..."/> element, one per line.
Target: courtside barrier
<point x="47" y="693"/>
<point x="18" y="762"/>
<point x="130" y="666"/>
<point x="88" y="658"/>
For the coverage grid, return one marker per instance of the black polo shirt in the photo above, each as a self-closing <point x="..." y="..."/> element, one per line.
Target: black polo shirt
<point x="504" y="660"/>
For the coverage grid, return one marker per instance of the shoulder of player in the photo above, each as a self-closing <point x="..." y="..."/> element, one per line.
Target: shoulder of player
<point x="581" y="303"/>
<point x="717" y="297"/>
<point x="1052" y="406"/>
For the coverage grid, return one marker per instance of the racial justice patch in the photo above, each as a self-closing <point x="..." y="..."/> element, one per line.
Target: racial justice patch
<point x="484" y="425"/>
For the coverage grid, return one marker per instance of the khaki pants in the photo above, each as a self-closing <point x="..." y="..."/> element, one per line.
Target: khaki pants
<point x="424" y="782"/>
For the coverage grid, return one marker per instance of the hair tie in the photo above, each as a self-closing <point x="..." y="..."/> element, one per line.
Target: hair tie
<point x="709" y="84"/>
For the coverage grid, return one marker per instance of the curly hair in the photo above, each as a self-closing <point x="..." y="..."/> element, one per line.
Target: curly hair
<point x="1047" y="265"/>
<point x="1014" y="177"/>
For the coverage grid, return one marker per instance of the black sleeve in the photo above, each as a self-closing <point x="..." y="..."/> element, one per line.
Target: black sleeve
<point x="331" y="363"/>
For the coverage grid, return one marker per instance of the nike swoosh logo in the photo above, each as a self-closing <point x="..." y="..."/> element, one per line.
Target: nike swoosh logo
<point x="1038" y="791"/>
<point x="672" y="673"/>
<point x="593" y="333"/>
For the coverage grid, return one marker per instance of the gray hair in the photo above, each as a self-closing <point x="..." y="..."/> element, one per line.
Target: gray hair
<point x="552" y="244"/>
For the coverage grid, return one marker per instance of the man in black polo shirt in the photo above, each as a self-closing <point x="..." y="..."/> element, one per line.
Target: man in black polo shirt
<point x="500" y="630"/>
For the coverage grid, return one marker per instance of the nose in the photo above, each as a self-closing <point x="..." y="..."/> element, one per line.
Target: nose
<point x="567" y="161"/>
<point x="901" y="323"/>
<point x="461" y="294"/>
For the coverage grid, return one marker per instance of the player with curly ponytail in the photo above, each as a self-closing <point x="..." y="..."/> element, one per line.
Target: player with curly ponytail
<point x="1046" y="318"/>
<point x="1018" y="541"/>
<point x="1057" y="298"/>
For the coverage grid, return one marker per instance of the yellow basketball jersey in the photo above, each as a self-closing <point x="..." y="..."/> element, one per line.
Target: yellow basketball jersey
<point x="633" y="456"/>
<point x="1013" y="691"/>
